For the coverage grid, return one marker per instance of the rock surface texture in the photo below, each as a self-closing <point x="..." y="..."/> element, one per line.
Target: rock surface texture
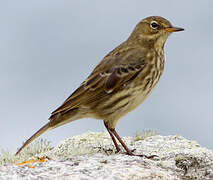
<point x="92" y="156"/>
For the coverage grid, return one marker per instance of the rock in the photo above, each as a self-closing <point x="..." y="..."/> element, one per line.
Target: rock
<point x="92" y="156"/>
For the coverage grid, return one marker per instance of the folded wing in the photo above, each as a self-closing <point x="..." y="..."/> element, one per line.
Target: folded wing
<point x="100" y="84"/>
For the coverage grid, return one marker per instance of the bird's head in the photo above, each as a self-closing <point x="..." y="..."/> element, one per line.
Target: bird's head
<point x="153" y="31"/>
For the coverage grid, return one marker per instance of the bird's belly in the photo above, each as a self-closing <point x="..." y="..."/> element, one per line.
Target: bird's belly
<point x="123" y="107"/>
<point x="140" y="94"/>
<point x="137" y="99"/>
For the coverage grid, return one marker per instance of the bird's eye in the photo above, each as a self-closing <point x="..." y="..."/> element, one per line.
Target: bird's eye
<point x="154" y="25"/>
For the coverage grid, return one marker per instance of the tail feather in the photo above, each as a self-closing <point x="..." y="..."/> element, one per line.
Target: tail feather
<point x="34" y="136"/>
<point x="54" y="121"/>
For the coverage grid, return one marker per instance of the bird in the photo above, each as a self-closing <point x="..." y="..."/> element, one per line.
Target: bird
<point x="119" y="83"/>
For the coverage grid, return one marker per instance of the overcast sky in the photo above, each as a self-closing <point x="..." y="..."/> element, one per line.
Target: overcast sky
<point x="48" y="47"/>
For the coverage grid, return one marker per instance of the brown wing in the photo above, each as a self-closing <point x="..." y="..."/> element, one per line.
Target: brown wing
<point x="100" y="84"/>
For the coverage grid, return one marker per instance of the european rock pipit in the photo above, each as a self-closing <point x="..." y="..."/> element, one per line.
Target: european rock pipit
<point x="120" y="82"/>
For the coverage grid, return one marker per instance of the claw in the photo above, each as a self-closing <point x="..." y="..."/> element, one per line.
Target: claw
<point x="140" y="155"/>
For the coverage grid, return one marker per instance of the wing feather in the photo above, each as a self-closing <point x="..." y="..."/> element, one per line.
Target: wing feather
<point x="100" y="84"/>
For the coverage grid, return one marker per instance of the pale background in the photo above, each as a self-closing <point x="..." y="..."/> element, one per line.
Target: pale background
<point x="48" y="47"/>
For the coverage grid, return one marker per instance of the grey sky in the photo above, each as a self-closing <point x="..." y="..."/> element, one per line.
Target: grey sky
<point x="47" y="48"/>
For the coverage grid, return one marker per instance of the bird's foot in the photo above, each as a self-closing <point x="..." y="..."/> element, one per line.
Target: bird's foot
<point x="117" y="150"/>
<point x="130" y="153"/>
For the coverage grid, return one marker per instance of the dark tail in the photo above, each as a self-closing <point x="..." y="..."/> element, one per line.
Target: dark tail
<point x="34" y="136"/>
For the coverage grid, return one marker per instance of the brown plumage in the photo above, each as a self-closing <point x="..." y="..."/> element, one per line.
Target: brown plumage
<point x="120" y="82"/>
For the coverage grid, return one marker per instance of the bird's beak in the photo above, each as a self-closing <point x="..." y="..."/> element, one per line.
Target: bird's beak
<point x="173" y="29"/>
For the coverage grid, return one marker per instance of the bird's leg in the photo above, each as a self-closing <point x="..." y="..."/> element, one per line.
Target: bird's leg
<point x="129" y="152"/>
<point x="113" y="138"/>
<point x="113" y="133"/>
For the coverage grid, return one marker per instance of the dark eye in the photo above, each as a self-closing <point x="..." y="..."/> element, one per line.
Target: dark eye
<point x="154" y="25"/>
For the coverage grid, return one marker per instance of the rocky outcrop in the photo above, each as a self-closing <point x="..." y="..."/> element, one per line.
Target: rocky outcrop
<point x="92" y="156"/>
